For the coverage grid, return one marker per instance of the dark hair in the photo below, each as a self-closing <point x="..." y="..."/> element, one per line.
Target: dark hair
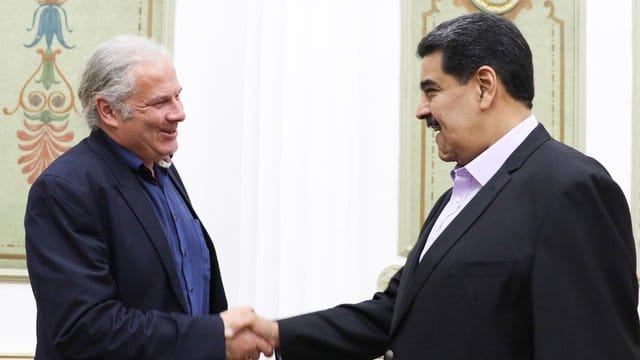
<point x="474" y="40"/>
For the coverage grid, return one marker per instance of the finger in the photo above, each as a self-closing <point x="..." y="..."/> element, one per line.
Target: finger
<point x="261" y="326"/>
<point x="268" y="329"/>
<point x="254" y="355"/>
<point x="264" y="346"/>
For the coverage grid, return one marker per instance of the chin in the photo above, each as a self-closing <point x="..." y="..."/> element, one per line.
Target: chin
<point x="169" y="150"/>
<point x="445" y="157"/>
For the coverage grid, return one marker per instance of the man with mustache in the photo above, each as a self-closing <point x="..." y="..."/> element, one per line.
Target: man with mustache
<point x="120" y="265"/>
<point x="530" y="255"/>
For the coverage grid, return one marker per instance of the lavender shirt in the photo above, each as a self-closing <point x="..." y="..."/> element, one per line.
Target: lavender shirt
<point x="469" y="179"/>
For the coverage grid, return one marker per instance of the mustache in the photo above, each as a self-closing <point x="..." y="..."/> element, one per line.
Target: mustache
<point x="432" y="123"/>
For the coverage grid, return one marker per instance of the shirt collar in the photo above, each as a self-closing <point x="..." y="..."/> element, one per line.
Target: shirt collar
<point x="133" y="162"/>
<point x="485" y="165"/>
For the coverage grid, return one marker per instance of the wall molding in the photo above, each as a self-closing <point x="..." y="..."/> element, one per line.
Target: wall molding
<point x="556" y="34"/>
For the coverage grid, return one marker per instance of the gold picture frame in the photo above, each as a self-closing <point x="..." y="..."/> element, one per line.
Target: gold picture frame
<point x="45" y="45"/>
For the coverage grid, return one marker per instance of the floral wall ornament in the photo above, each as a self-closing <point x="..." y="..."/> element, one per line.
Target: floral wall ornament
<point x="498" y="7"/>
<point x="50" y="23"/>
<point x="48" y="99"/>
<point x="45" y="47"/>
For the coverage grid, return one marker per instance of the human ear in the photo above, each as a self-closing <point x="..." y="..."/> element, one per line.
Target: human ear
<point x="487" y="86"/>
<point x="107" y="113"/>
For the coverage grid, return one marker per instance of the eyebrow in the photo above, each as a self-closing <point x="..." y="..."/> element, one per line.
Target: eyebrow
<point x="162" y="97"/>
<point x="427" y="83"/>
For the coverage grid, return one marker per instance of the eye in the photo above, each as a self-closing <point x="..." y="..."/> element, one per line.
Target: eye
<point x="429" y="93"/>
<point x="159" y="103"/>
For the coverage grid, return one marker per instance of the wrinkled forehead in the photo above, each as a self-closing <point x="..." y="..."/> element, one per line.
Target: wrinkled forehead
<point x="155" y="74"/>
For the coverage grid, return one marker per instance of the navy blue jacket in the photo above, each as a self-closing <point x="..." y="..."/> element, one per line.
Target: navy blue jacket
<point x="101" y="269"/>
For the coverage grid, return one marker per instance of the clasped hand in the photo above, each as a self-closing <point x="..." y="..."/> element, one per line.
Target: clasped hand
<point x="247" y="334"/>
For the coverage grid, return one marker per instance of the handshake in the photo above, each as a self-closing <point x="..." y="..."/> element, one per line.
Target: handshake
<point x="247" y="334"/>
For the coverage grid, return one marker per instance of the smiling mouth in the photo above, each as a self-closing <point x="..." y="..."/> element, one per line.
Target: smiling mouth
<point x="432" y="123"/>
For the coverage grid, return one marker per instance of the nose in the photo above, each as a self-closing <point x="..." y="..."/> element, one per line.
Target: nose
<point x="176" y="111"/>
<point x="423" y="111"/>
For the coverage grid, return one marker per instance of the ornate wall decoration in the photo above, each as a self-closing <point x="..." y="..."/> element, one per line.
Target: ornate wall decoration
<point x="495" y="7"/>
<point x="46" y="99"/>
<point x="45" y="44"/>
<point x="555" y="33"/>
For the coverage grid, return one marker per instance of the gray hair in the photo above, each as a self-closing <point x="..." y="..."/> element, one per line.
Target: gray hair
<point x="109" y="73"/>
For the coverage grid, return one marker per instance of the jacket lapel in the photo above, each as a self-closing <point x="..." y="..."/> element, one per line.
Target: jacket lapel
<point x="414" y="256"/>
<point x="136" y="197"/>
<point x="414" y="280"/>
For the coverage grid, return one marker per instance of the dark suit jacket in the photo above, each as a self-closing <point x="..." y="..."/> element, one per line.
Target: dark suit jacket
<point x="539" y="265"/>
<point x="101" y="269"/>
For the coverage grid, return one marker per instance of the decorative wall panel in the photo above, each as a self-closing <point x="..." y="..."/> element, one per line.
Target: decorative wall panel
<point x="555" y="33"/>
<point x="45" y="45"/>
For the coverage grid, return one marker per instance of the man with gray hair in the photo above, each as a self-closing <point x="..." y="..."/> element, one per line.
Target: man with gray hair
<point x="120" y="265"/>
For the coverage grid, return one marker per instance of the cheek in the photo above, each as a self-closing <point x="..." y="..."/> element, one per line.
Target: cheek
<point x="453" y="117"/>
<point x="443" y="110"/>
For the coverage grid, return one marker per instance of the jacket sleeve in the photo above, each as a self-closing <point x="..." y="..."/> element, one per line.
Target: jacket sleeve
<point x="346" y="332"/>
<point x="77" y="297"/>
<point x="584" y="288"/>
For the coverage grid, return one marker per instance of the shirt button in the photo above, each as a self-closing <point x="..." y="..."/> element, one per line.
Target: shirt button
<point x="457" y="199"/>
<point x="190" y="288"/>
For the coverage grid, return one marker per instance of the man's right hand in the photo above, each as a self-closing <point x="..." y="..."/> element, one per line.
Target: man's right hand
<point x="247" y="334"/>
<point x="245" y="344"/>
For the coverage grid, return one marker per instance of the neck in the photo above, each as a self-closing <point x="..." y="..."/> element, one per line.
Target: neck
<point x="509" y="116"/>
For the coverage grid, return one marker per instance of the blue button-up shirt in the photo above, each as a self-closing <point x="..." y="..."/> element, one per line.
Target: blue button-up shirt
<point x="182" y="229"/>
